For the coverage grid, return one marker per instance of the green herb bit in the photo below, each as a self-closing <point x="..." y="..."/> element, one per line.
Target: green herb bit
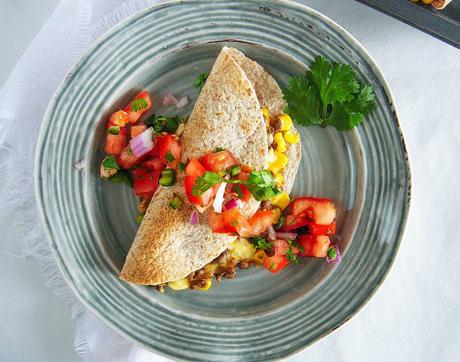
<point x="290" y="256"/>
<point x="222" y="173"/>
<point x="169" y="157"/>
<point x="182" y="166"/>
<point x="234" y="170"/>
<point x="261" y="243"/>
<point x="129" y="151"/>
<point x="115" y="130"/>
<point x="219" y="149"/>
<point x="168" y="177"/>
<point x="238" y="191"/>
<point x="139" y="218"/>
<point x="281" y="222"/>
<point x="110" y="163"/>
<point x="332" y="253"/>
<point x="200" y="80"/>
<point x="175" y="202"/>
<point x="122" y="176"/>
<point x="262" y="185"/>
<point x="205" y="182"/>
<point x="139" y="104"/>
<point x="329" y="94"/>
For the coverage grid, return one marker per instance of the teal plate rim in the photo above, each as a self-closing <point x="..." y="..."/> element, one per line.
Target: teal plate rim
<point x="293" y="5"/>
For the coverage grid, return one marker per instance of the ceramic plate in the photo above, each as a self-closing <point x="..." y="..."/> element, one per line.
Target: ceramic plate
<point x="91" y="223"/>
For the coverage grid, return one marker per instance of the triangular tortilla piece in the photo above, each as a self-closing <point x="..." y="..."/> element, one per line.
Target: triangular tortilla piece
<point x="227" y="114"/>
<point x="270" y="96"/>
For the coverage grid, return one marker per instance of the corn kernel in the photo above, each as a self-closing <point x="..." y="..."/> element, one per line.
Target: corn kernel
<point x="206" y="286"/>
<point x="259" y="257"/>
<point x="279" y="163"/>
<point x="276" y="212"/>
<point x="179" y="284"/>
<point x="291" y="137"/>
<point x="279" y="178"/>
<point x="281" y="200"/>
<point x="266" y="113"/>
<point x="286" y="122"/>
<point x="280" y="142"/>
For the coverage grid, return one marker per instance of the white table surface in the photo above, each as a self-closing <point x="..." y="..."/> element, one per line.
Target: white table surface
<point x="36" y="325"/>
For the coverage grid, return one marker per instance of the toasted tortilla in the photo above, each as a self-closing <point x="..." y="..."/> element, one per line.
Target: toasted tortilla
<point x="440" y="4"/>
<point x="270" y="96"/>
<point x="227" y="114"/>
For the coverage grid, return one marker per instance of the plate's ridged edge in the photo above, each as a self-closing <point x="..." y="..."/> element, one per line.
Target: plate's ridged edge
<point x="61" y="89"/>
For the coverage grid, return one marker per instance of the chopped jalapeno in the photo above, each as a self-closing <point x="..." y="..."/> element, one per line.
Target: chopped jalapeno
<point x="168" y="177"/>
<point x="114" y="130"/>
<point x="176" y="202"/>
<point x="234" y="170"/>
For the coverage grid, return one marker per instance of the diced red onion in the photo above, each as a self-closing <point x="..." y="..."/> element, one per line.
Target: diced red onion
<point x="232" y="203"/>
<point x="271" y="233"/>
<point x="142" y="143"/>
<point x="169" y="100"/>
<point x="219" y="198"/>
<point x="182" y="102"/>
<point x="337" y="259"/>
<point x="286" y="236"/>
<point x="194" y="218"/>
<point x="79" y="165"/>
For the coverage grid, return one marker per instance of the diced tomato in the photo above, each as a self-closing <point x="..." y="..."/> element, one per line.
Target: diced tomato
<point x="170" y="150"/>
<point x="261" y="221"/>
<point x="154" y="164"/>
<point x="204" y="199"/>
<point x="234" y="218"/>
<point x="194" y="168"/>
<point x="137" y="130"/>
<point x="119" y="118"/>
<point x="294" y="222"/>
<point x="321" y="211"/>
<point x="316" y="229"/>
<point x="133" y="115"/>
<point x="139" y="173"/>
<point x="217" y="223"/>
<point x="127" y="158"/>
<point x="155" y="151"/>
<point x="218" y="161"/>
<point x="314" y="245"/>
<point x="114" y="143"/>
<point x="147" y="184"/>
<point x="282" y="246"/>
<point x="275" y="263"/>
<point x="241" y="190"/>
<point x="246" y="168"/>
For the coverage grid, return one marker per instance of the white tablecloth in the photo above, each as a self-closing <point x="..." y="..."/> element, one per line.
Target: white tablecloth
<point x="415" y="314"/>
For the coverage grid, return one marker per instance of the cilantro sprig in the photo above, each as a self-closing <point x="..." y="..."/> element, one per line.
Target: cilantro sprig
<point x="162" y="124"/>
<point x="261" y="243"/>
<point x="329" y="94"/>
<point x="261" y="184"/>
<point x="290" y="256"/>
<point x="139" y="104"/>
<point x="200" y="80"/>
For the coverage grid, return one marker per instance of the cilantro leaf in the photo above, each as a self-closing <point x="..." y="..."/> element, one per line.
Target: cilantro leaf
<point x="200" y="80"/>
<point x="205" y="182"/>
<point x="290" y="256"/>
<point x="162" y="124"/>
<point x="139" y="104"/>
<point x="329" y="94"/>
<point x="262" y="185"/>
<point x="110" y="163"/>
<point x="169" y="157"/>
<point x="261" y="243"/>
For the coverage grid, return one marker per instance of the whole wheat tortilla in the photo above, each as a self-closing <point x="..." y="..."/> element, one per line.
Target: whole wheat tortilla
<point x="227" y="114"/>
<point x="270" y="96"/>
